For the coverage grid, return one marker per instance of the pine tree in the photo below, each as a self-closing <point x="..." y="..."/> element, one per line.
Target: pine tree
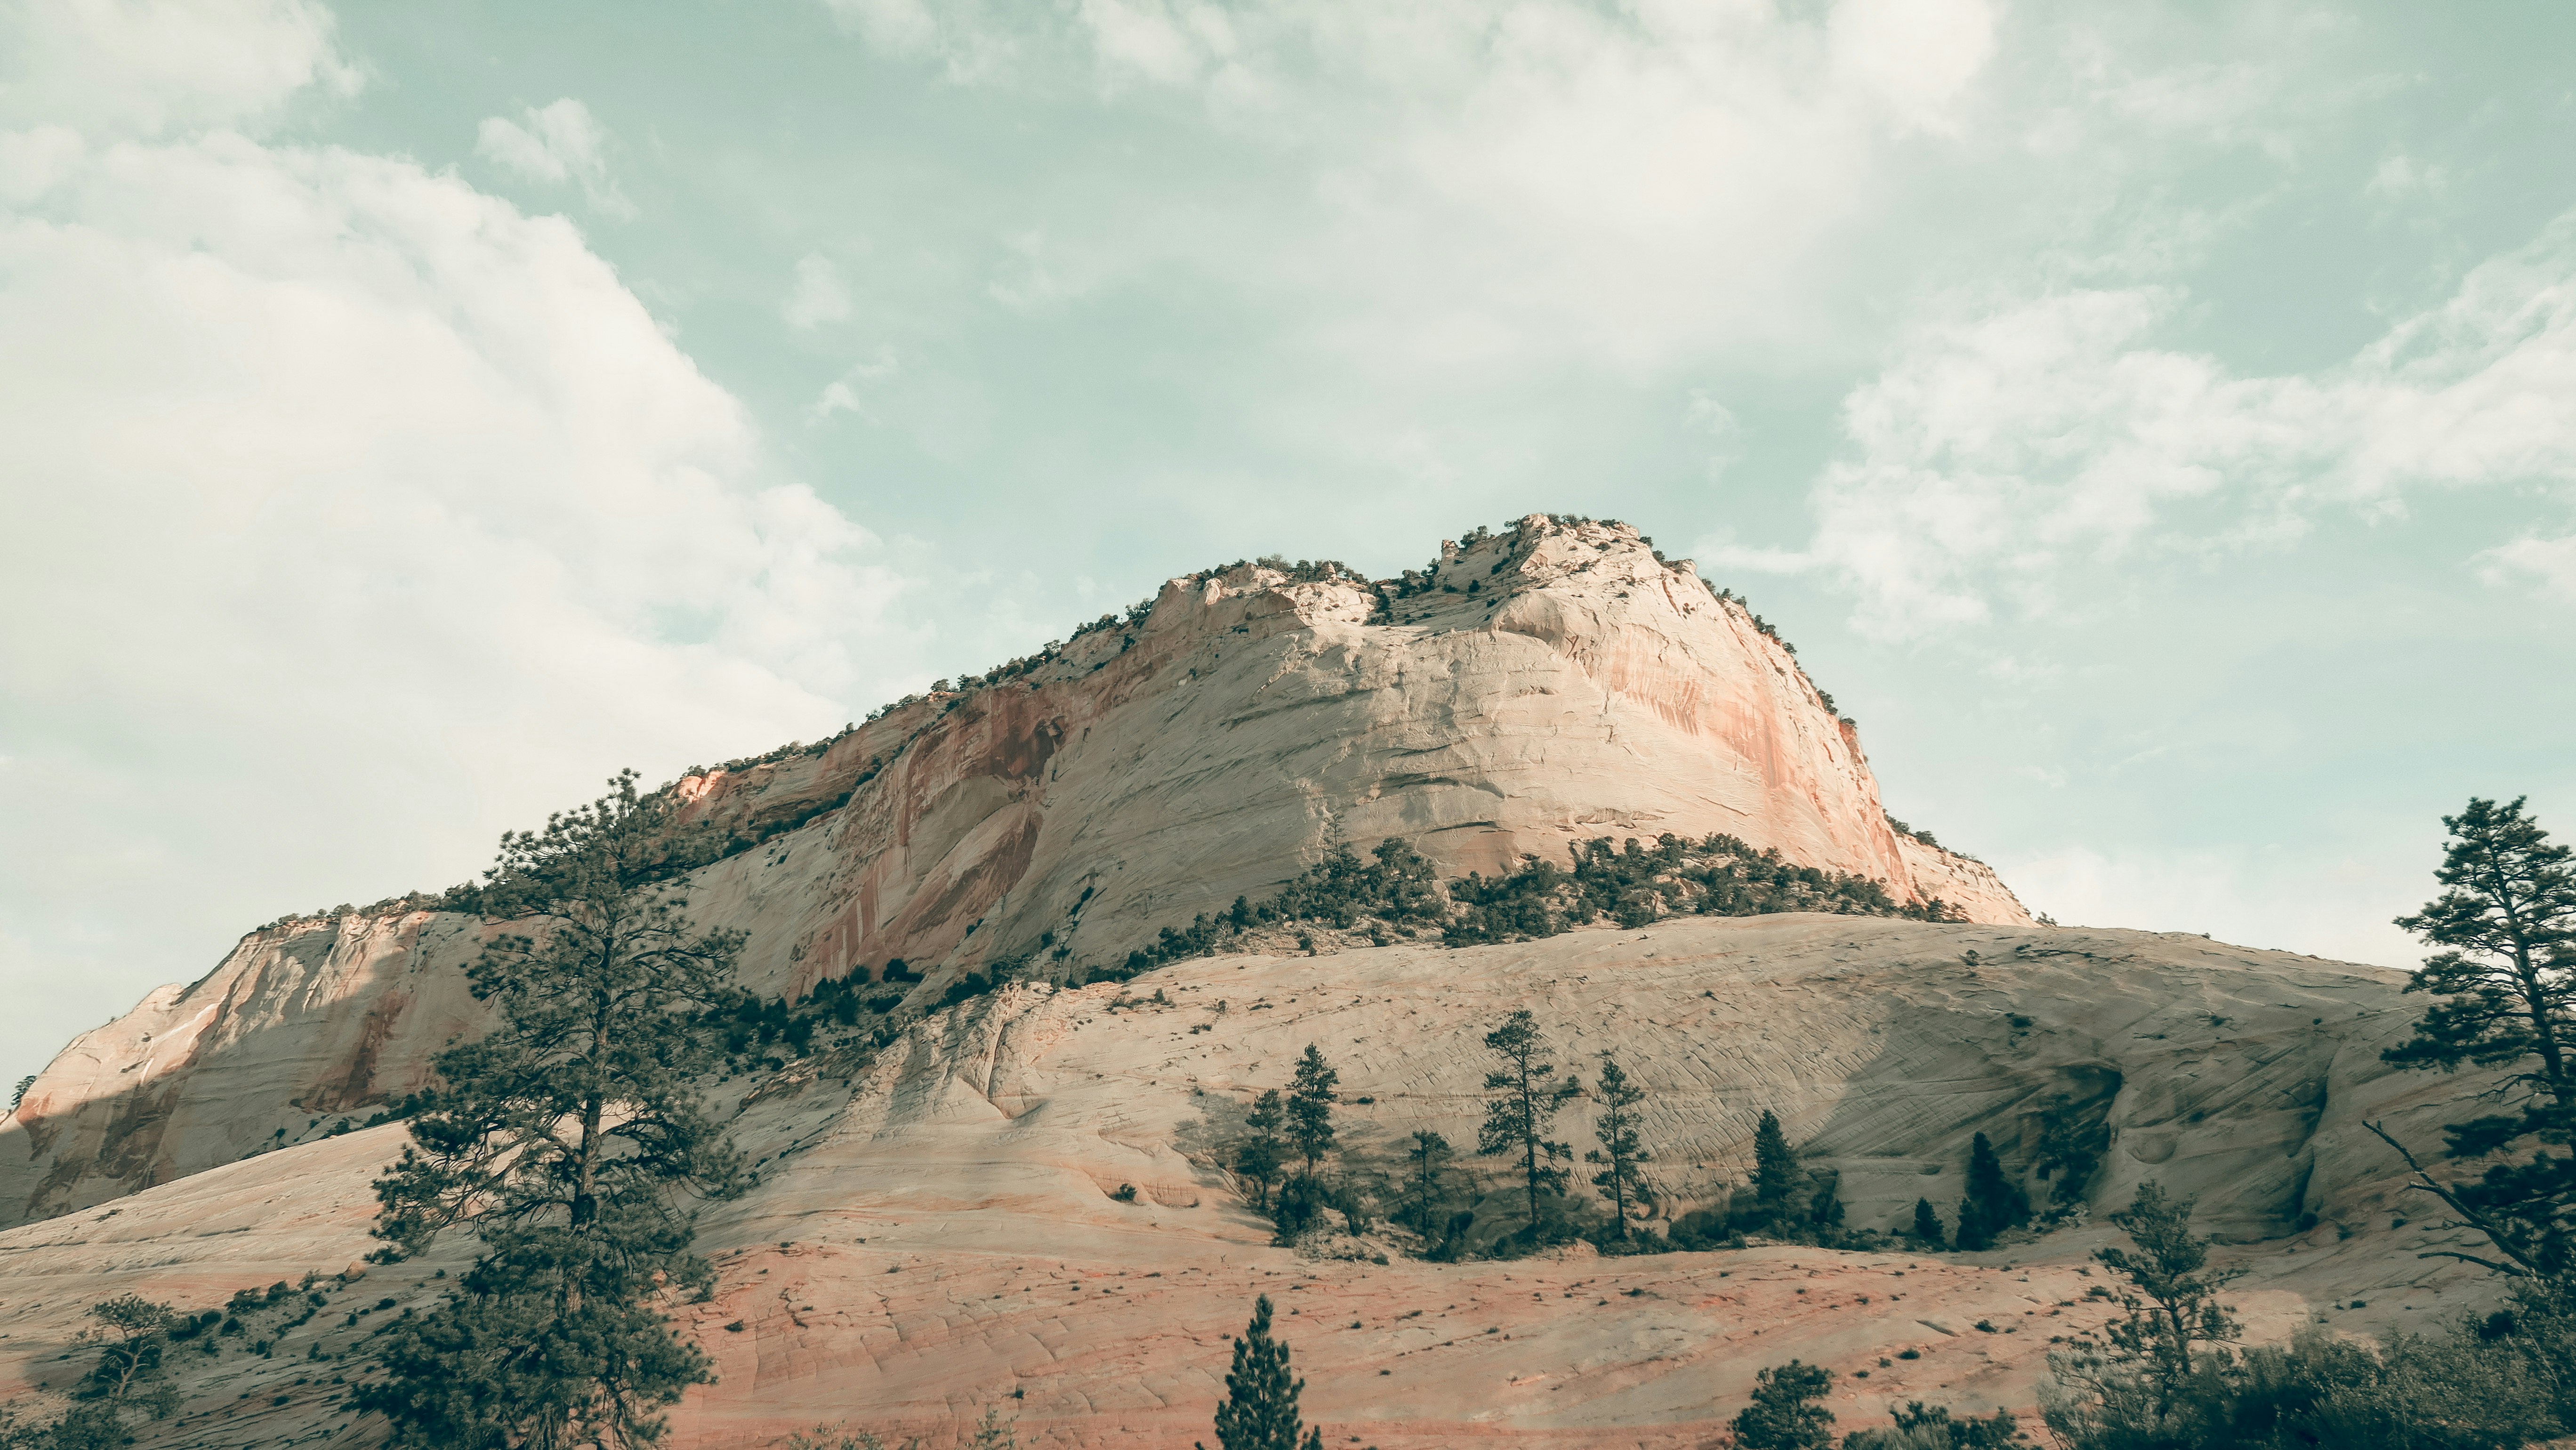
<point x="2507" y="984"/>
<point x="1785" y="1413"/>
<point x="2171" y="1301"/>
<point x="1776" y="1175"/>
<point x="1621" y="1151"/>
<point x="1825" y="1205"/>
<point x="1310" y="1108"/>
<point x="1975" y="1234"/>
<point x="2000" y="1202"/>
<point x="1526" y="1102"/>
<point x="1258" y="1156"/>
<point x="1426" y="1166"/>
<point x="1260" y="1408"/>
<point x="1927" y="1224"/>
<point x="564" y="1140"/>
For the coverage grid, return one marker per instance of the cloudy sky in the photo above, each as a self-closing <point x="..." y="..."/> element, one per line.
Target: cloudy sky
<point x="2155" y="423"/>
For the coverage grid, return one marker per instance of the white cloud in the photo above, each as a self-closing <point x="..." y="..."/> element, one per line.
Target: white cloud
<point x="2547" y="564"/>
<point x="818" y="296"/>
<point x="2054" y="432"/>
<point x="140" y="67"/>
<point x="2403" y="178"/>
<point x="1495" y="183"/>
<point x="355" y="515"/>
<point x="1917" y="56"/>
<point x="849" y="392"/>
<point x="556" y="143"/>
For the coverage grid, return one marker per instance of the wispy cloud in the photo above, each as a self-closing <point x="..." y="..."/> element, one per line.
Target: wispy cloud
<point x="556" y="143"/>
<point x="818" y="295"/>
<point x="1994" y="452"/>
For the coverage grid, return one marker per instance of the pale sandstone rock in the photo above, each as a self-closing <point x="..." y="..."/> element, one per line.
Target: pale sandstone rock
<point x="938" y="1232"/>
<point x="1584" y="688"/>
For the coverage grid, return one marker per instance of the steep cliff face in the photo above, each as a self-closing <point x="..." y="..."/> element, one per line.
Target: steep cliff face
<point x="1545" y="685"/>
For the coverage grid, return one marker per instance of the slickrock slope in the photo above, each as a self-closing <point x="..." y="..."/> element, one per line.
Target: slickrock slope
<point x="938" y="1231"/>
<point x="1552" y="683"/>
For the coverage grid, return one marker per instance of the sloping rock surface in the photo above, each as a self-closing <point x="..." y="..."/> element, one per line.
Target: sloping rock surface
<point x="1552" y="683"/>
<point x="939" y="1227"/>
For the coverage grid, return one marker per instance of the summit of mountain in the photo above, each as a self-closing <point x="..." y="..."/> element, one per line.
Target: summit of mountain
<point x="1535" y="688"/>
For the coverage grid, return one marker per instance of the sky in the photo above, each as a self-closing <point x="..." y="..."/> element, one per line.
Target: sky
<point x="2155" y="423"/>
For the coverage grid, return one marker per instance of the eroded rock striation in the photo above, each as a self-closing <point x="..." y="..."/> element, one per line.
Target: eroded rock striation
<point x="939" y="1225"/>
<point x="1549" y="684"/>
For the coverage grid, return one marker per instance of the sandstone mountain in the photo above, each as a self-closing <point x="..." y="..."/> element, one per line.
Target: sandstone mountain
<point x="1552" y="683"/>
<point x="940" y="1227"/>
<point x="1015" y="1200"/>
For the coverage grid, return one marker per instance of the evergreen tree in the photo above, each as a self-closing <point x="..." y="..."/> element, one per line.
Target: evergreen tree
<point x="1922" y="1427"/>
<point x="1621" y="1151"/>
<point x="1927" y="1224"/>
<point x="1825" y="1205"/>
<point x="2507" y="983"/>
<point x="1526" y="1103"/>
<point x="2170" y="1297"/>
<point x="1310" y="1108"/>
<point x="1258" y="1156"/>
<point x="1425" y="1186"/>
<point x="2000" y="1202"/>
<point x="1785" y="1413"/>
<point x="564" y="1140"/>
<point x="1975" y="1234"/>
<point x="1260" y="1408"/>
<point x="1776" y="1175"/>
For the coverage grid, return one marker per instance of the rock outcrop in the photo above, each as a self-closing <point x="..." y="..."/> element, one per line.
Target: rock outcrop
<point x="940" y="1226"/>
<point x="1556" y="682"/>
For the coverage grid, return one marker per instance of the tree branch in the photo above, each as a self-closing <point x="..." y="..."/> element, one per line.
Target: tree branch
<point x="2520" y="1269"/>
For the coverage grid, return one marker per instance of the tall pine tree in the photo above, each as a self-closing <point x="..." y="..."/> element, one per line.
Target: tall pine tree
<point x="1260" y="1407"/>
<point x="1258" y="1157"/>
<point x="1526" y="1098"/>
<point x="1310" y="1109"/>
<point x="1994" y="1202"/>
<point x="1426" y="1167"/>
<point x="2506" y="979"/>
<point x="1776" y="1175"/>
<point x="567" y="1141"/>
<point x="1621" y="1151"/>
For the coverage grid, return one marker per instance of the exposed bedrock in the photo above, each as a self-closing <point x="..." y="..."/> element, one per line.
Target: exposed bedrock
<point x="937" y="1228"/>
<point x="1573" y="685"/>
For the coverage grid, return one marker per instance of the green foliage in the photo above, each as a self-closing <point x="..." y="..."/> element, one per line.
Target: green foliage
<point x="1527" y="1096"/>
<point x="1633" y="884"/>
<point x="1929" y="1427"/>
<point x="2506" y="980"/>
<point x="1927" y="1225"/>
<point x="18" y="1094"/>
<point x="132" y="1336"/>
<point x="1776" y="1175"/>
<point x="1394" y="886"/>
<point x="2142" y="1372"/>
<point x="2481" y="1384"/>
<point x="1261" y="1154"/>
<point x="2071" y="1145"/>
<point x="564" y="1139"/>
<point x="1310" y="1108"/>
<point x="1260" y="1407"/>
<point x="1787" y="1413"/>
<point x="1622" y="1152"/>
<point x="1994" y="1202"/>
<point x="1426" y="1182"/>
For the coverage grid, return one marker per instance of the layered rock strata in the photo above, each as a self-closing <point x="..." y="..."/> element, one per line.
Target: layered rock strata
<point x="940" y="1228"/>
<point x="1549" y="684"/>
